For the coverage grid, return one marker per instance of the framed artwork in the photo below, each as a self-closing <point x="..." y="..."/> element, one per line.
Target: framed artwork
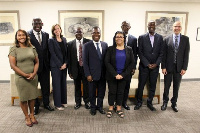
<point x="9" y="24"/>
<point x="165" y="20"/>
<point x="86" y="19"/>
<point x="198" y="34"/>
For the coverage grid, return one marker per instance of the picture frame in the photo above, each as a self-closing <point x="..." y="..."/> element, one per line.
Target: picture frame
<point x="9" y="24"/>
<point x="198" y="34"/>
<point x="165" y="20"/>
<point x="69" y="20"/>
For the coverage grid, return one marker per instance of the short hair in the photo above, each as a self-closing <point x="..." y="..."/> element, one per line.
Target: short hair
<point x="27" y="42"/>
<point x="52" y="30"/>
<point x="119" y="32"/>
<point x="96" y="27"/>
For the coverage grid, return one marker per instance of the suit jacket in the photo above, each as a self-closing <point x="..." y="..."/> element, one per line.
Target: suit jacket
<point x="149" y="54"/>
<point x="72" y="57"/>
<point x="91" y="62"/>
<point x="132" y="42"/>
<point x="42" y="50"/>
<point x="56" y="59"/>
<point x="182" y="54"/>
<point x="110" y="62"/>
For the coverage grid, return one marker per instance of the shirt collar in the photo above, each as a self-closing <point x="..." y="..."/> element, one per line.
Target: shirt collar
<point x="177" y="35"/>
<point x="151" y="35"/>
<point x="96" y="42"/>
<point x="80" y="41"/>
<point x="35" y="32"/>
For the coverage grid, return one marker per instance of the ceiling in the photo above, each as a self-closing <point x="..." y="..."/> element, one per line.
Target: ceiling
<point x="177" y="1"/>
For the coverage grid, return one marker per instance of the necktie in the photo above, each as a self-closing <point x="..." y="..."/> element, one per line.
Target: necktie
<point x="39" y="39"/>
<point x="175" y="48"/>
<point x="80" y="54"/>
<point x="98" y="51"/>
<point x="126" y="41"/>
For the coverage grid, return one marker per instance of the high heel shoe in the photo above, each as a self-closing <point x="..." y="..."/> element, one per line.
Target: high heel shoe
<point x="28" y="121"/>
<point x="34" y="121"/>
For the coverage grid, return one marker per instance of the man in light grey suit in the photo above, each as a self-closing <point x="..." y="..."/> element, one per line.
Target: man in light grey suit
<point x="174" y="63"/>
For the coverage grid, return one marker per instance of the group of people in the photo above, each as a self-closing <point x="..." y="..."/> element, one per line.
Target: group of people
<point x="91" y="63"/>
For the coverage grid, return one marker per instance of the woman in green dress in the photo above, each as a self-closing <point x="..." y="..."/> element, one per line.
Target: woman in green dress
<point x="24" y="61"/>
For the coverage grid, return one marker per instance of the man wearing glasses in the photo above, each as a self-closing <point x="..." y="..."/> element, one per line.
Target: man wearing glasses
<point x="75" y="68"/>
<point x="94" y="68"/>
<point x="174" y="63"/>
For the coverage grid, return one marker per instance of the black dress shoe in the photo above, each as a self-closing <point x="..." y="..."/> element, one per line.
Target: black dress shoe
<point x="49" y="108"/>
<point x="137" y="106"/>
<point x="174" y="107"/>
<point x="77" y="106"/>
<point x="93" y="112"/>
<point x="36" y="110"/>
<point x="87" y="105"/>
<point x="102" y="111"/>
<point x="164" y="106"/>
<point x="126" y="106"/>
<point x="151" y="107"/>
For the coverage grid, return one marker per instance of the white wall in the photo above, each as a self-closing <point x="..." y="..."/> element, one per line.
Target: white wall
<point x="115" y="13"/>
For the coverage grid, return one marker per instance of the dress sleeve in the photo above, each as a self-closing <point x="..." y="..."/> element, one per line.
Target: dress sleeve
<point x="35" y="52"/>
<point x="12" y="52"/>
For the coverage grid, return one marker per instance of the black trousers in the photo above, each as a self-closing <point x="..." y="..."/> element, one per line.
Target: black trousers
<point x="59" y="86"/>
<point x="77" y="84"/>
<point x="101" y="85"/>
<point x="176" y="76"/>
<point x="147" y="74"/>
<point x="44" y="79"/>
<point x="126" y="91"/>
<point x="116" y="91"/>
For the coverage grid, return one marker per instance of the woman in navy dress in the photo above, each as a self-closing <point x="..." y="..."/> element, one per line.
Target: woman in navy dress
<point x="58" y="63"/>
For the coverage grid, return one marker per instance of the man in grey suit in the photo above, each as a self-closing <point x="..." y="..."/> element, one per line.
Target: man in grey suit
<point x="75" y="68"/>
<point x="94" y="68"/>
<point x="150" y="49"/>
<point x="174" y="63"/>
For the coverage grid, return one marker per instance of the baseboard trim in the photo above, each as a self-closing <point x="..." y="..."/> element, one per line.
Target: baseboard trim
<point x="162" y="80"/>
<point x="8" y="81"/>
<point x="186" y="80"/>
<point x="4" y="81"/>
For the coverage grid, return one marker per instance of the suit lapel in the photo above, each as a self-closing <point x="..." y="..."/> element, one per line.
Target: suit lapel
<point x="181" y="42"/>
<point x="57" y="44"/>
<point x="171" y="42"/>
<point x="43" y="39"/>
<point x="74" y="47"/>
<point x="148" y="39"/>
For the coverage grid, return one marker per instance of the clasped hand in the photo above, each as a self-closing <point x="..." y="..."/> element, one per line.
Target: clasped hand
<point x="118" y="77"/>
<point x="152" y="66"/>
<point x="30" y="76"/>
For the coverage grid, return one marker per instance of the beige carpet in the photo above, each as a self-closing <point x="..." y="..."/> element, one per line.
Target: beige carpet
<point x="187" y="120"/>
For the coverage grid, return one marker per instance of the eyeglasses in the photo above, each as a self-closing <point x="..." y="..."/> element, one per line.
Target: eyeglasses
<point x="177" y="26"/>
<point x="119" y="37"/>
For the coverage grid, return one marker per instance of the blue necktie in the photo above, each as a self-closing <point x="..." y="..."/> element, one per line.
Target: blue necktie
<point x="98" y="51"/>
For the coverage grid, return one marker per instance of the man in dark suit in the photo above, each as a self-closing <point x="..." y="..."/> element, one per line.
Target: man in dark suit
<point x="132" y="42"/>
<point x="150" y="49"/>
<point x="39" y="39"/>
<point x="94" y="68"/>
<point x="174" y="63"/>
<point x="75" y="68"/>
